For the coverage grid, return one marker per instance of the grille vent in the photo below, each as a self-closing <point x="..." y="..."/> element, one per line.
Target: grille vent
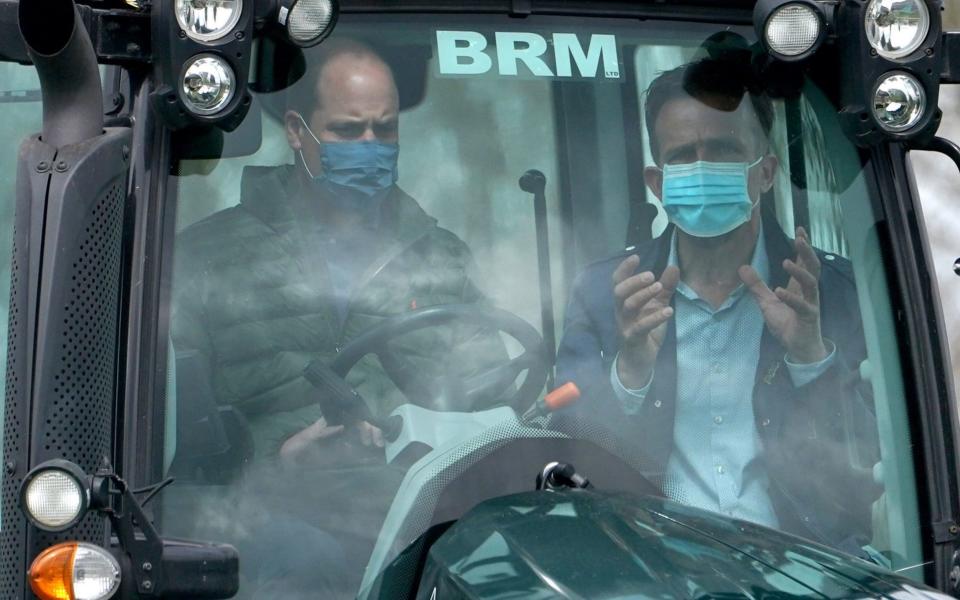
<point x="11" y="552"/>
<point x="78" y="424"/>
<point x="78" y="427"/>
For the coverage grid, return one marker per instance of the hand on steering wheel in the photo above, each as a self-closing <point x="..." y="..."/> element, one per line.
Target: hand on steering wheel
<point x="491" y="383"/>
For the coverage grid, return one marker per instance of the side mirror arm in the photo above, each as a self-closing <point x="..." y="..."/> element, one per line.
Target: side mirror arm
<point x="941" y="145"/>
<point x="951" y="52"/>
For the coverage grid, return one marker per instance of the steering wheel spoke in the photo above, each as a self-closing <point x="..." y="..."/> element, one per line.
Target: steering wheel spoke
<point x="469" y="389"/>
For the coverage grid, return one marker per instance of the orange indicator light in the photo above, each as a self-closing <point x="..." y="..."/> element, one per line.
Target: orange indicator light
<point x="51" y="574"/>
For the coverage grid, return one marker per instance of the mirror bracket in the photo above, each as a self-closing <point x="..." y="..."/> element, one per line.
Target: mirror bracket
<point x="941" y="145"/>
<point x="951" y="62"/>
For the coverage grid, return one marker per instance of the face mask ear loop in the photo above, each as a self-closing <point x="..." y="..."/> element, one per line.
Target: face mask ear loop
<point x="300" y="150"/>
<point x="753" y="205"/>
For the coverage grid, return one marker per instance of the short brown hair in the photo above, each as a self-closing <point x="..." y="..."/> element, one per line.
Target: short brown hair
<point x="720" y="83"/>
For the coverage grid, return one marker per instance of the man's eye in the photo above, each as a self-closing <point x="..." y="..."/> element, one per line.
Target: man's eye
<point x="348" y="131"/>
<point x="385" y="129"/>
<point x="681" y="158"/>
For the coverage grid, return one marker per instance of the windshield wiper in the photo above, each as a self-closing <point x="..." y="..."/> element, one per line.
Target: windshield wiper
<point x="13" y="96"/>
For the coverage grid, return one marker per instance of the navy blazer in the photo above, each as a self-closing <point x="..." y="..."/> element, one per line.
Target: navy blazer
<point x="819" y="440"/>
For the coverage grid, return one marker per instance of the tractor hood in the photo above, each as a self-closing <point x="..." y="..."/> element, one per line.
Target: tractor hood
<point x="584" y="544"/>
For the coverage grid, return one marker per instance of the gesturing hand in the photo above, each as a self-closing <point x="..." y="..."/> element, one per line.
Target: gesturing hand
<point x="642" y="307"/>
<point x="300" y="442"/>
<point x="793" y="313"/>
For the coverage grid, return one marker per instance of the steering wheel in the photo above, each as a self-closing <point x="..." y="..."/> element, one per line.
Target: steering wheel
<point x="490" y="383"/>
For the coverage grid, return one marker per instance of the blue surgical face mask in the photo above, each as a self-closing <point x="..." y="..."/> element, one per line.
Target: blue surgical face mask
<point x="357" y="175"/>
<point x="707" y="199"/>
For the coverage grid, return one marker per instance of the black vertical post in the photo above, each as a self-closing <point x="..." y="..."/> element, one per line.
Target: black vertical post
<point x="534" y="182"/>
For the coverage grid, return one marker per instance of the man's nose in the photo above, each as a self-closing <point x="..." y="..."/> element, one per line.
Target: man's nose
<point x="368" y="135"/>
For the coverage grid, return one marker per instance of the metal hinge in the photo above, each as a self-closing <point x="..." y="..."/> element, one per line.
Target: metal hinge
<point x="945" y="532"/>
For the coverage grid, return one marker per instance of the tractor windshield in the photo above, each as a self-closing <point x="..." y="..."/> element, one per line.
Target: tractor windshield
<point x="426" y="224"/>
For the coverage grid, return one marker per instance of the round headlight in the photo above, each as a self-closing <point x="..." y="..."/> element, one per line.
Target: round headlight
<point x="897" y="28"/>
<point x="308" y="22"/>
<point x="207" y="20"/>
<point x="793" y="30"/>
<point x="208" y="84"/>
<point x="54" y="499"/>
<point x="74" y="570"/>
<point x="899" y="102"/>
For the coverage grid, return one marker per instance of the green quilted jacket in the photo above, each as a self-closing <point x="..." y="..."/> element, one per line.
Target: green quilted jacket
<point x="253" y="300"/>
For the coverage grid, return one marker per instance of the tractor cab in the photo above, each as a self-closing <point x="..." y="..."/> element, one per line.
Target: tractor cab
<point x="363" y="299"/>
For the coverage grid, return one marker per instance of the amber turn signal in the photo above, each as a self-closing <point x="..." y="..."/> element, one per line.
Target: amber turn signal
<point x="74" y="571"/>
<point x="50" y="574"/>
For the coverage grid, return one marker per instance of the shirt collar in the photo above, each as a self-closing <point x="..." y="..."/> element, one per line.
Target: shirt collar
<point x="760" y="263"/>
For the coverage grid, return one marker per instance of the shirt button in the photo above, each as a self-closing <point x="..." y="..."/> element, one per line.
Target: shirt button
<point x="718" y="420"/>
<point x="765" y="422"/>
<point x="720" y="469"/>
<point x="656" y="403"/>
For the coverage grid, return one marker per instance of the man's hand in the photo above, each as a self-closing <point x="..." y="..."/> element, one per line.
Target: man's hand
<point x="642" y="310"/>
<point x="793" y="314"/>
<point x="299" y="442"/>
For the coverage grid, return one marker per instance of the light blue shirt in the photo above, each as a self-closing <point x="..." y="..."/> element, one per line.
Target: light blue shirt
<point x="715" y="463"/>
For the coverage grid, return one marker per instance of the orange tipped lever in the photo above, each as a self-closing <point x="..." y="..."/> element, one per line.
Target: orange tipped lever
<point x="565" y="395"/>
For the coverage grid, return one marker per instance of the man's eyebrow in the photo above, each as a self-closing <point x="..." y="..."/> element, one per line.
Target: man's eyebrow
<point x="345" y="121"/>
<point x="676" y="150"/>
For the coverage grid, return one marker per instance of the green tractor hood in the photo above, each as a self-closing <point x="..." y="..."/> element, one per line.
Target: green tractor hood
<point x="584" y="544"/>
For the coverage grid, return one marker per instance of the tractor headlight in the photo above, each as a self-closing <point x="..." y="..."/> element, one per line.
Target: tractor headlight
<point x="793" y="30"/>
<point x="54" y="496"/>
<point x="208" y="84"/>
<point x="308" y="22"/>
<point x="899" y="102"/>
<point x="207" y="20"/>
<point x="897" y="28"/>
<point x="74" y="571"/>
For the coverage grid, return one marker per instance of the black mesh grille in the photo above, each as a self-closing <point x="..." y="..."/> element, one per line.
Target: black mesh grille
<point x="12" y="565"/>
<point x="78" y="427"/>
<point x="78" y="421"/>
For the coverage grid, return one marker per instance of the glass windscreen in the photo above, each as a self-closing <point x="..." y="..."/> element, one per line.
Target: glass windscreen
<point x="20" y="113"/>
<point x="465" y="248"/>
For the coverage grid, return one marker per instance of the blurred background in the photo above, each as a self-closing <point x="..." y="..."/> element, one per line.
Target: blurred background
<point x="939" y="184"/>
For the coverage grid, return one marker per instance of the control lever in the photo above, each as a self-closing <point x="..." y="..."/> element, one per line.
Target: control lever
<point x="535" y="182"/>
<point x="558" y="475"/>
<point x="565" y="395"/>
<point x="341" y="404"/>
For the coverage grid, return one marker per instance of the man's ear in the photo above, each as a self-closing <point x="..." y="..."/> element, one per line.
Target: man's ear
<point x="768" y="171"/>
<point x="293" y="125"/>
<point x="653" y="176"/>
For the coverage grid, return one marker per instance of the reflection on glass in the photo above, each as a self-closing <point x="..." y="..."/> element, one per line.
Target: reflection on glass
<point x="718" y="302"/>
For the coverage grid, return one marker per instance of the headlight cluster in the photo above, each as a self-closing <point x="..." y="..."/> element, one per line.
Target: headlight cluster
<point x="889" y="75"/>
<point x="212" y="53"/>
<point x="896" y="29"/>
<point x="55" y="496"/>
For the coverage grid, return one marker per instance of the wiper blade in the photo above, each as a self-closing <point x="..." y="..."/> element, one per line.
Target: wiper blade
<point x="12" y="96"/>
